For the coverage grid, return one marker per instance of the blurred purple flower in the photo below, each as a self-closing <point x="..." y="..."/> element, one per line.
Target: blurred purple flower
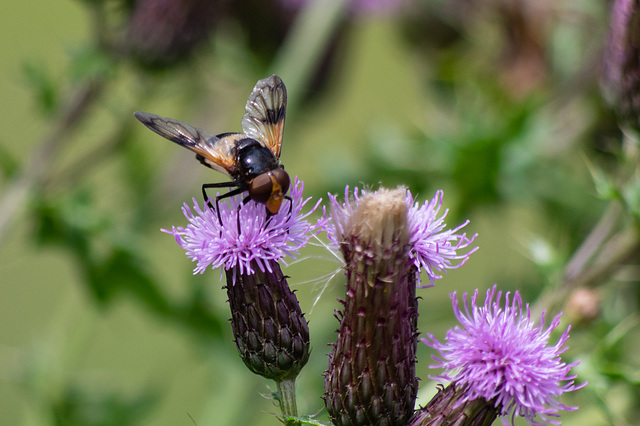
<point x="501" y="356"/>
<point x="621" y="62"/>
<point x="258" y="240"/>
<point x="358" y="7"/>
<point x="433" y="248"/>
<point x="164" y="32"/>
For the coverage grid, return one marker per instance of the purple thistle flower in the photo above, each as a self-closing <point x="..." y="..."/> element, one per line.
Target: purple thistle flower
<point x="432" y="247"/>
<point x="269" y="328"/>
<point x="258" y="240"/>
<point x="499" y="355"/>
<point x="359" y="7"/>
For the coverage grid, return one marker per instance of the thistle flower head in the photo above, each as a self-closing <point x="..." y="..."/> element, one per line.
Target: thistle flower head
<point x="500" y="355"/>
<point x="371" y="375"/>
<point x="247" y="237"/>
<point x="433" y="248"/>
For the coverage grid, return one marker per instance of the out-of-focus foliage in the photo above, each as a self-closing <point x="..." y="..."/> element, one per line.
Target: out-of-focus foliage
<point x="496" y="102"/>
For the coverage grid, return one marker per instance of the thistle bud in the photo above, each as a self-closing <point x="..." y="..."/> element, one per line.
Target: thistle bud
<point x="371" y="375"/>
<point x="269" y="327"/>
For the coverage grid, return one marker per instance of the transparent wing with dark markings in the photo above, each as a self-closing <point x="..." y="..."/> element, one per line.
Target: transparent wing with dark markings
<point x="216" y="152"/>
<point x="265" y="113"/>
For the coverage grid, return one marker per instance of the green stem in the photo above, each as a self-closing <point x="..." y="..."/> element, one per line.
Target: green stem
<point x="40" y="160"/>
<point x="287" y="397"/>
<point x="305" y="45"/>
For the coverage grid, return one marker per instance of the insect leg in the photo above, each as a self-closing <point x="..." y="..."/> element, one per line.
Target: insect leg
<point x="227" y="195"/>
<point x="216" y="185"/>
<point x="206" y="186"/>
<point x="286" y="197"/>
<point x="244" y="201"/>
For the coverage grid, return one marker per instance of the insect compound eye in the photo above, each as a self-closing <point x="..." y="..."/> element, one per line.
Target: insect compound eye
<point x="283" y="179"/>
<point x="261" y="187"/>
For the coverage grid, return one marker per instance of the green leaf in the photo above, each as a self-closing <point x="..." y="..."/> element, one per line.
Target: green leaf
<point x="303" y="420"/>
<point x="123" y="271"/>
<point x="605" y="186"/>
<point x="8" y="163"/>
<point x="91" y="63"/>
<point x="108" y="260"/>
<point x="43" y="86"/>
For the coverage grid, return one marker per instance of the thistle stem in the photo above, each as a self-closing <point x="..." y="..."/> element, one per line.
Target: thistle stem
<point x="287" y="397"/>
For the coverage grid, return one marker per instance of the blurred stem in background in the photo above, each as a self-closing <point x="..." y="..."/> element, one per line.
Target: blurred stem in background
<point x="612" y="243"/>
<point x="64" y="123"/>
<point x="305" y="45"/>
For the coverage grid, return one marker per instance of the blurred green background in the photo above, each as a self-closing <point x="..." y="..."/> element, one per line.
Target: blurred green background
<point x="496" y="102"/>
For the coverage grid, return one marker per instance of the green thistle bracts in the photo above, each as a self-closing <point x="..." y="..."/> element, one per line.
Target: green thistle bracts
<point x="269" y="327"/>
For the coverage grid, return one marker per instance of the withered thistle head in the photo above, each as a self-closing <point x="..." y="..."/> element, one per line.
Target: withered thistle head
<point x="371" y="375"/>
<point x="385" y="238"/>
<point x="434" y="248"/>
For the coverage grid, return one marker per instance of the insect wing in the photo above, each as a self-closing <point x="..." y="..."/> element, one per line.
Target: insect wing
<point x="216" y="152"/>
<point x="265" y="113"/>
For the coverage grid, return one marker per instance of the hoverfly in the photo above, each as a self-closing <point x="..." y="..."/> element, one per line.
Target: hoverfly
<point x="252" y="158"/>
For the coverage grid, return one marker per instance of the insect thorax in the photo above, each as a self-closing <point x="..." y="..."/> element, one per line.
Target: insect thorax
<point x="254" y="159"/>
